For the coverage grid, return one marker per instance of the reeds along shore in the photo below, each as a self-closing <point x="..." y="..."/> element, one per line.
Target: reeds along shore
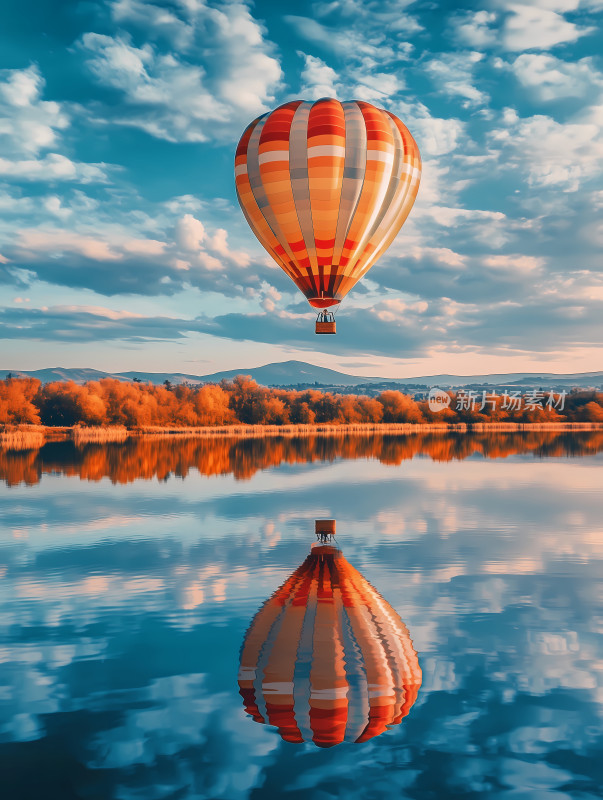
<point x="31" y="437"/>
<point x="242" y="402"/>
<point x="24" y="437"/>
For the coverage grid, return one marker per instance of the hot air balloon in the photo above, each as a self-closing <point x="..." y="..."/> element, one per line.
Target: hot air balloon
<point x="325" y="187"/>
<point x="326" y="659"/>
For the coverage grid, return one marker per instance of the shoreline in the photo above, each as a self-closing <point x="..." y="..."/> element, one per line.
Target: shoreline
<point x="34" y="436"/>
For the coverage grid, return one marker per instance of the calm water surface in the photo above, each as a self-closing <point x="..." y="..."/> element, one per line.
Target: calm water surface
<point x="133" y="665"/>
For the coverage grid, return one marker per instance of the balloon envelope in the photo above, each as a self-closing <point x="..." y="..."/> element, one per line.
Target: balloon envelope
<point x="326" y="659"/>
<point x="325" y="187"/>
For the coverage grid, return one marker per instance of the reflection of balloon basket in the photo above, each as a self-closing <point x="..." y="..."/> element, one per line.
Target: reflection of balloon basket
<point x="325" y="322"/>
<point x="324" y="529"/>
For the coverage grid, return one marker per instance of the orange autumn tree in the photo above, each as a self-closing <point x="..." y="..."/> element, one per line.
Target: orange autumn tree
<point x="212" y="407"/>
<point x="398" y="407"/>
<point x="591" y="412"/>
<point x="67" y="403"/>
<point x="17" y="401"/>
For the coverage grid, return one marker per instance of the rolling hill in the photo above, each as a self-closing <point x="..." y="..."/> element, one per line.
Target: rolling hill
<point x="287" y="373"/>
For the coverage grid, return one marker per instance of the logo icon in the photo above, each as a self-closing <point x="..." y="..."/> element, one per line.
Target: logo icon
<point x="438" y="399"/>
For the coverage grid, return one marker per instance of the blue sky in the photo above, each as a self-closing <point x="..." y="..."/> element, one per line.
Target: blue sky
<point x="121" y="242"/>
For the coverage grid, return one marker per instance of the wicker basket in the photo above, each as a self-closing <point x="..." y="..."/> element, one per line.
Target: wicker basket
<point x="322" y="526"/>
<point x="325" y="327"/>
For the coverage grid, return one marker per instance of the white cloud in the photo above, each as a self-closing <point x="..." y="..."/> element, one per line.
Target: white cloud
<point x="550" y="78"/>
<point x="539" y="27"/>
<point x="514" y="263"/>
<point x="57" y="241"/>
<point x="452" y="74"/>
<point x="358" y="29"/>
<point x="534" y="25"/>
<point x="385" y="12"/>
<point x="364" y="40"/>
<point x="434" y="187"/>
<point x="190" y="233"/>
<point x="435" y="136"/>
<point x="110" y="245"/>
<point x="28" y="124"/>
<point x="443" y="256"/>
<point x="449" y="217"/>
<point x="163" y="96"/>
<point x="560" y="6"/>
<point x="230" y="75"/>
<point x="209" y="252"/>
<point x="580" y="286"/>
<point x="475" y="29"/>
<point x="54" y="205"/>
<point x="96" y="311"/>
<point x="156" y="19"/>
<point x="12" y="202"/>
<point x="398" y="310"/>
<point x="206" y="262"/>
<point x="53" y="167"/>
<point x="376" y="86"/>
<point x="271" y="297"/>
<point x="190" y="248"/>
<point x="218" y="243"/>
<point x="184" y="202"/>
<point x="551" y="153"/>
<point x="248" y="74"/>
<point x="318" y="79"/>
<point x="143" y="247"/>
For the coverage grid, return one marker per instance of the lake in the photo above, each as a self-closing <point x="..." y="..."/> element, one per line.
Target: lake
<point x="172" y="627"/>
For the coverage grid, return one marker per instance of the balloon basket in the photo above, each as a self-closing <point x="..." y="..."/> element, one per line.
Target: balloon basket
<point x="325" y="327"/>
<point x="325" y="322"/>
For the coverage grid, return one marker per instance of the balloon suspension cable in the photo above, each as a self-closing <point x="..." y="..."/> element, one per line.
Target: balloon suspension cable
<point x="326" y="538"/>
<point x="331" y="310"/>
<point x="338" y="306"/>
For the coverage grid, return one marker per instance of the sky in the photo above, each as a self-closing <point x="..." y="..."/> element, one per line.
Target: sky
<point x="122" y="245"/>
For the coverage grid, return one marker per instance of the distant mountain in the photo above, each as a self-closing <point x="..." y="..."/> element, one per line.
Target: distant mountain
<point x="291" y="373"/>
<point x="286" y="373"/>
<point x="58" y="374"/>
<point x="81" y="375"/>
<point x="279" y="374"/>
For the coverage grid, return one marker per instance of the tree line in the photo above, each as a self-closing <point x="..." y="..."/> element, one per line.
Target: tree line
<point x="135" y="404"/>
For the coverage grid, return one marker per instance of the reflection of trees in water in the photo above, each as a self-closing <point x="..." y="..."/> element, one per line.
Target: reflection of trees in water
<point x="159" y="458"/>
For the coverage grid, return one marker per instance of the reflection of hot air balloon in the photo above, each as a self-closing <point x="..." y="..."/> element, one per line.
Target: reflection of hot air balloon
<point x="326" y="659"/>
<point x="325" y="187"/>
